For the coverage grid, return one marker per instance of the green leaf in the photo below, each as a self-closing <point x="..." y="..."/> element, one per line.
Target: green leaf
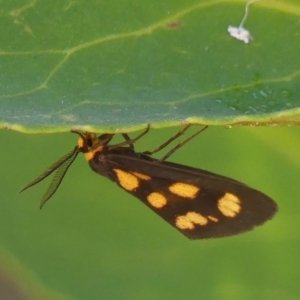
<point x="118" y="65"/>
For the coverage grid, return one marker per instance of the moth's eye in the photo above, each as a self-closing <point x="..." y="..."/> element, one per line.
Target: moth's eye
<point x="89" y="143"/>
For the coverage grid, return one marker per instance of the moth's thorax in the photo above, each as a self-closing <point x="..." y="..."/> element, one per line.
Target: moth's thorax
<point x="98" y="164"/>
<point x="103" y="161"/>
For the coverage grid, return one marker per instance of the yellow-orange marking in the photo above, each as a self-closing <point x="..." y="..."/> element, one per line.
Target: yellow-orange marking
<point x="157" y="200"/>
<point x="184" y="190"/>
<point x="189" y="220"/>
<point x="229" y="205"/>
<point x="212" y="218"/>
<point x="128" y="181"/>
<point x="141" y="176"/>
<point x="90" y="155"/>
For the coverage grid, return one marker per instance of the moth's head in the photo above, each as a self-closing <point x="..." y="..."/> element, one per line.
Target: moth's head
<point x="89" y="143"/>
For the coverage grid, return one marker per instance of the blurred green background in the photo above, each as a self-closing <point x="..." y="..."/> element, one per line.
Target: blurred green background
<point x="94" y="241"/>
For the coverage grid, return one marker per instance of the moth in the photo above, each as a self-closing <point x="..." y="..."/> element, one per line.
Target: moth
<point x="198" y="203"/>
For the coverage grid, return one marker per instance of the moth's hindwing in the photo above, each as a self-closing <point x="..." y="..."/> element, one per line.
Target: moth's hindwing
<point x="198" y="203"/>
